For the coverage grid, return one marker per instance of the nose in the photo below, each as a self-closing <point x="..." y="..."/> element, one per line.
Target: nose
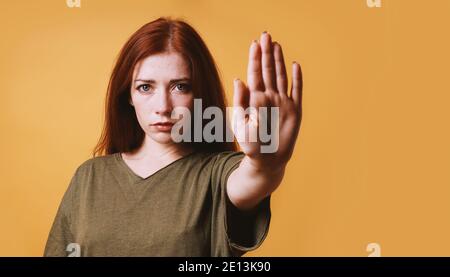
<point x="164" y="103"/>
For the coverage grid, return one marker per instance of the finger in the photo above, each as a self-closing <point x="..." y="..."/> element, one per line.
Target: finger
<point x="240" y="96"/>
<point x="297" y="85"/>
<point x="268" y="64"/>
<point x="254" y="76"/>
<point x="280" y="69"/>
<point x="240" y="103"/>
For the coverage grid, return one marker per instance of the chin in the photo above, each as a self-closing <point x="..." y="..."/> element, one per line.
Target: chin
<point x="162" y="137"/>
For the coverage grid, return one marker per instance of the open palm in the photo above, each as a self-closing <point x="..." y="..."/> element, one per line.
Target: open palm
<point x="267" y="86"/>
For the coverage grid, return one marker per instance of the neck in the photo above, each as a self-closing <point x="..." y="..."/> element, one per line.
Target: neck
<point x="151" y="150"/>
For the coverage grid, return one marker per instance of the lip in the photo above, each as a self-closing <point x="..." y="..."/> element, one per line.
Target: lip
<point x="163" y="126"/>
<point x="167" y="123"/>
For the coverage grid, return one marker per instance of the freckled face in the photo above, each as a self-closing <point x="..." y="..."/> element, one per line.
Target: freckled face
<point x="160" y="83"/>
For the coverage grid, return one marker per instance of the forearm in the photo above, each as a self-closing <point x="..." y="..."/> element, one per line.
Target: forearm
<point x="251" y="182"/>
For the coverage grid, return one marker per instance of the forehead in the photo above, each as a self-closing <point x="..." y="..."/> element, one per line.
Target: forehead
<point x="167" y="65"/>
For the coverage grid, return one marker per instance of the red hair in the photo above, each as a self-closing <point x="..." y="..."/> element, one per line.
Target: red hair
<point x="121" y="131"/>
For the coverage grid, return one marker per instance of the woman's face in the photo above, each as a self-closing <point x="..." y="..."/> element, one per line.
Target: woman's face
<point x="160" y="83"/>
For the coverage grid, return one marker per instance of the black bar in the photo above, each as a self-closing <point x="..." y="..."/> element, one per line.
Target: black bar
<point x="208" y="266"/>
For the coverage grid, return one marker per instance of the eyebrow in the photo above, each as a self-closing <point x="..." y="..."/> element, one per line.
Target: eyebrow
<point x="151" y="81"/>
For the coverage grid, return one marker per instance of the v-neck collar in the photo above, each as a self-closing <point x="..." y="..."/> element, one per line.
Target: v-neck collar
<point x="136" y="178"/>
<point x="134" y="190"/>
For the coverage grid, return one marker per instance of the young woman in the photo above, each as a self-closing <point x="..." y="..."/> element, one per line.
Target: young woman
<point x="143" y="194"/>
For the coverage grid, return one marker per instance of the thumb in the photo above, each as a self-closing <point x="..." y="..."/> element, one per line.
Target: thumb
<point x="240" y="94"/>
<point x="240" y="102"/>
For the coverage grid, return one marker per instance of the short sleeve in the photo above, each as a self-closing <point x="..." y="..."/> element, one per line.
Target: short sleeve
<point x="234" y="232"/>
<point x="60" y="235"/>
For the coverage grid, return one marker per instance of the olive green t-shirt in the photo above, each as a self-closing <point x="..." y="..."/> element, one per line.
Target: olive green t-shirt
<point x="180" y="210"/>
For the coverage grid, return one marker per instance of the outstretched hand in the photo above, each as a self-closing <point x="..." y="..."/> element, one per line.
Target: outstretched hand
<point x="267" y="86"/>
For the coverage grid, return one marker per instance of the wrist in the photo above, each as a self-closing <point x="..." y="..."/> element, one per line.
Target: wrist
<point x="264" y="166"/>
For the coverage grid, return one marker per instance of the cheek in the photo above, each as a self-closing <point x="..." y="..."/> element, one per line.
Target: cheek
<point x="185" y="101"/>
<point x="140" y="116"/>
<point x="142" y="104"/>
<point x="141" y="109"/>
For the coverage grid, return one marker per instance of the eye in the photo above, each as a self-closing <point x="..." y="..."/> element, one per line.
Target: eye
<point x="143" y="88"/>
<point x="182" y="87"/>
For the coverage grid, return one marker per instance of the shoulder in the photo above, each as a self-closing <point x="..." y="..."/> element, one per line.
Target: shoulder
<point x="229" y="155"/>
<point x="228" y="158"/>
<point x="210" y="163"/>
<point x="217" y="159"/>
<point x="88" y="172"/>
<point x="95" y="164"/>
<point x="223" y="163"/>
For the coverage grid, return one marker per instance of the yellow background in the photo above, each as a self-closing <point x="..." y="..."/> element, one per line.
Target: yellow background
<point x="372" y="162"/>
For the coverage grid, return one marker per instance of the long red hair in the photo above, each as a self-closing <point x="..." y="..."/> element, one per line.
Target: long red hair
<point x="121" y="131"/>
